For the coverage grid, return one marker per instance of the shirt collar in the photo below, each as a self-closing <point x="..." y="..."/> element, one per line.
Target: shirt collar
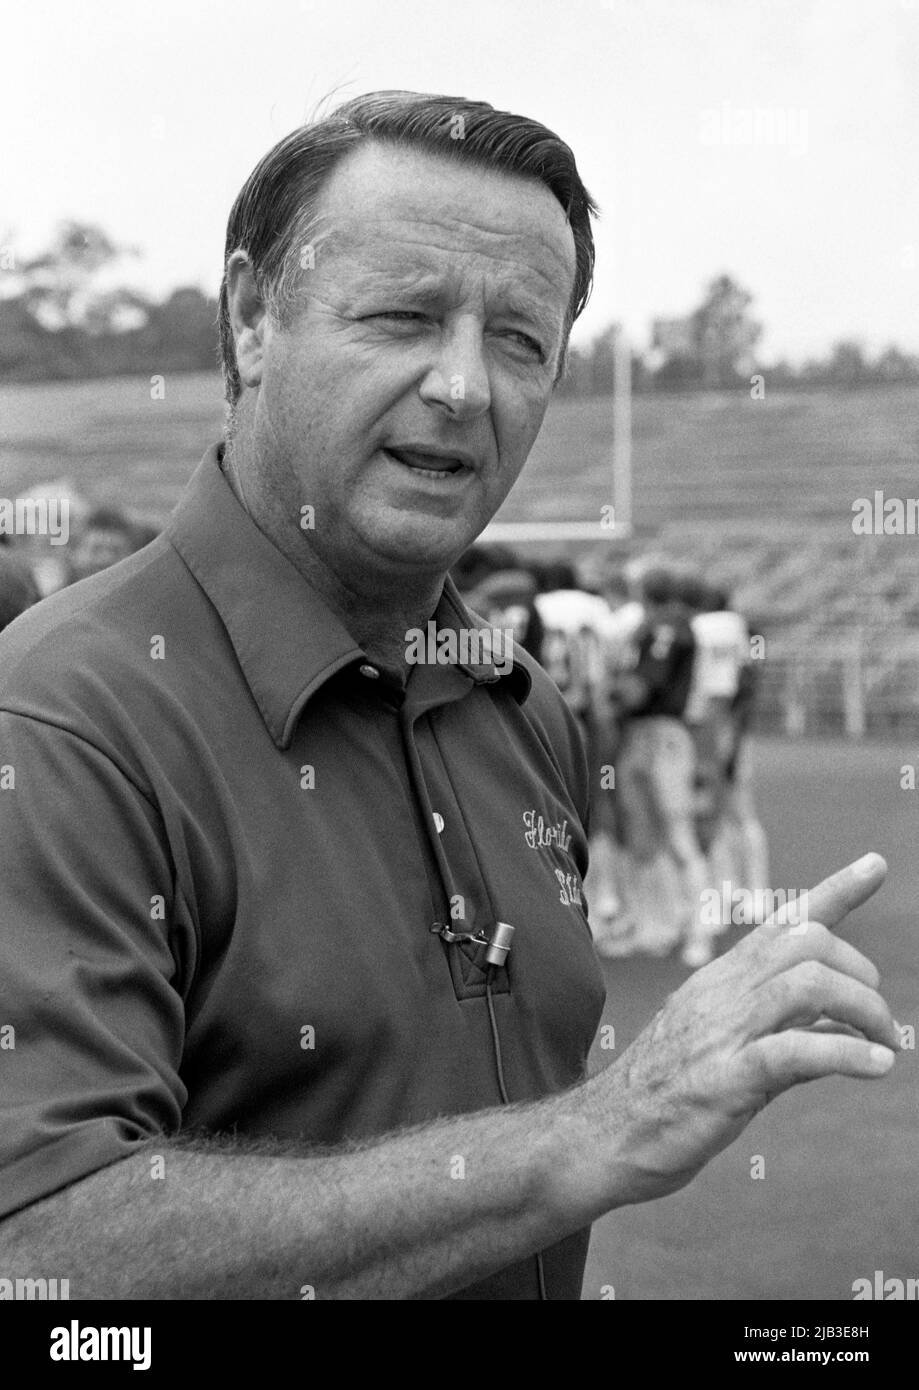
<point x="451" y="612"/>
<point x="288" y="641"/>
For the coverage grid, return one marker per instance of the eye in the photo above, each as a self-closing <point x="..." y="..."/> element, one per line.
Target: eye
<point x="529" y="344"/>
<point x="398" y="315"/>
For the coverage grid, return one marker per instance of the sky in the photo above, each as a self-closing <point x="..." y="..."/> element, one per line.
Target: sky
<point x="775" y="140"/>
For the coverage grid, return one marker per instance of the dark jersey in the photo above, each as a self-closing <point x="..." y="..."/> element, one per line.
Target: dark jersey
<point x="666" y="651"/>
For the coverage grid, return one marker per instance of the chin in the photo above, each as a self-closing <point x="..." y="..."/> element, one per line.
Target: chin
<point x="421" y="542"/>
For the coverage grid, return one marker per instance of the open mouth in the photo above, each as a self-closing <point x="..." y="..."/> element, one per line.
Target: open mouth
<point x="428" y="465"/>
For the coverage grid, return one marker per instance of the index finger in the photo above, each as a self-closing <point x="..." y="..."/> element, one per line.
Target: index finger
<point x="835" y="897"/>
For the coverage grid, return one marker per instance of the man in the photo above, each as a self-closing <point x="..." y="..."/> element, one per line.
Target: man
<point x="107" y="536"/>
<point x="252" y="854"/>
<point x="656" y="771"/>
<point x="573" y="621"/>
<point x="618" y="931"/>
<point x="45" y="552"/>
<point x="717" y="715"/>
<point x="18" y="590"/>
<point x="722" y="650"/>
<point x="505" y="598"/>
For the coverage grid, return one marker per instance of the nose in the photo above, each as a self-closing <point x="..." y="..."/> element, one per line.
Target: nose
<point x="457" y="382"/>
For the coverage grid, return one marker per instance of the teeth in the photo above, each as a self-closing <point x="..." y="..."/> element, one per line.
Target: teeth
<point x="415" y="461"/>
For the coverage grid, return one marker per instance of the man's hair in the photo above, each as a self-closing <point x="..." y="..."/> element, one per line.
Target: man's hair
<point x="718" y="599"/>
<point x="109" y="518"/>
<point x="614" y="581"/>
<point x="556" y="574"/>
<point x="274" y="215"/>
<point x="694" y="592"/>
<point x="658" y="585"/>
<point x="480" y="561"/>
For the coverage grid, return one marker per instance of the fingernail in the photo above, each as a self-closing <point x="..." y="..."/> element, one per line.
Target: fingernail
<point x="866" y="866"/>
<point x="881" y="1058"/>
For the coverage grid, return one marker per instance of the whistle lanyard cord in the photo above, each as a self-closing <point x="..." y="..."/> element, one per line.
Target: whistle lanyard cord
<point x="419" y="787"/>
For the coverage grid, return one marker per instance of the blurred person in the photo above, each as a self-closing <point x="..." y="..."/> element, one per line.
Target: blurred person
<point x="722" y="644"/>
<point x="722" y="650"/>
<point x="751" y="846"/>
<point x="107" y="535"/>
<point x="621" y="625"/>
<point x="505" y="599"/>
<point x="718" y="713"/>
<point x="480" y="561"/>
<point x="49" y="560"/>
<point x="646" y="904"/>
<point x="656" y="771"/>
<point x="18" y="589"/>
<point x="615" y="926"/>
<point x="626" y="609"/>
<point x="572" y="651"/>
<point x="722" y="647"/>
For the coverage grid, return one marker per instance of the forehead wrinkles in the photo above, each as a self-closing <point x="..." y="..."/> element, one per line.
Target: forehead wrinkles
<point x="404" y="250"/>
<point x="387" y="209"/>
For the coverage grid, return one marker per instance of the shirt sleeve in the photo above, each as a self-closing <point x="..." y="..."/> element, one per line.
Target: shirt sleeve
<point x="91" y="1011"/>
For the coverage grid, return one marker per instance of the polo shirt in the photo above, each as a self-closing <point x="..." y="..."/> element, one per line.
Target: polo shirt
<point x="225" y="837"/>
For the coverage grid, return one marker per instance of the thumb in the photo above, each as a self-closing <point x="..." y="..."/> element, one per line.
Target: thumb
<point x="842" y="892"/>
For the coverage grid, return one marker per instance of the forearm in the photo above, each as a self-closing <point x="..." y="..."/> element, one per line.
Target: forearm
<point x="418" y="1214"/>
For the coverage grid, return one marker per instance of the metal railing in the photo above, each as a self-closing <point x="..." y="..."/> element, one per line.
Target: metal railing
<point x="850" y="686"/>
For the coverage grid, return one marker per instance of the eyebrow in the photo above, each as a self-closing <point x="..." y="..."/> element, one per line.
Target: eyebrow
<point x="427" y="289"/>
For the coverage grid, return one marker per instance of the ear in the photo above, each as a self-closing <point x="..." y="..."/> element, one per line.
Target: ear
<point x="248" y="318"/>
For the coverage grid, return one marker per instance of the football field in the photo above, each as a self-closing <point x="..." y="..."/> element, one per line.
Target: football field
<point x="839" y="1197"/>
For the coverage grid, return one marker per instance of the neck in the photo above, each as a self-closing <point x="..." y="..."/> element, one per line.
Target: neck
<point x="376" y="608"/>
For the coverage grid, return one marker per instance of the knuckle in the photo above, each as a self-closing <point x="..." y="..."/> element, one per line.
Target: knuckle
<point x="777" y="1061"/>
<point x="819" y="937"/>
<point x="763" y="942"/>
<point x="760" y="1066"/>
<point x="778" y="995"/>
<point x="810" y="980"/>
<point x="784" y="1050"/>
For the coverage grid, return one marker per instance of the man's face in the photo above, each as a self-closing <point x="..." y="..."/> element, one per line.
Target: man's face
<point x="403" y="399"/>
